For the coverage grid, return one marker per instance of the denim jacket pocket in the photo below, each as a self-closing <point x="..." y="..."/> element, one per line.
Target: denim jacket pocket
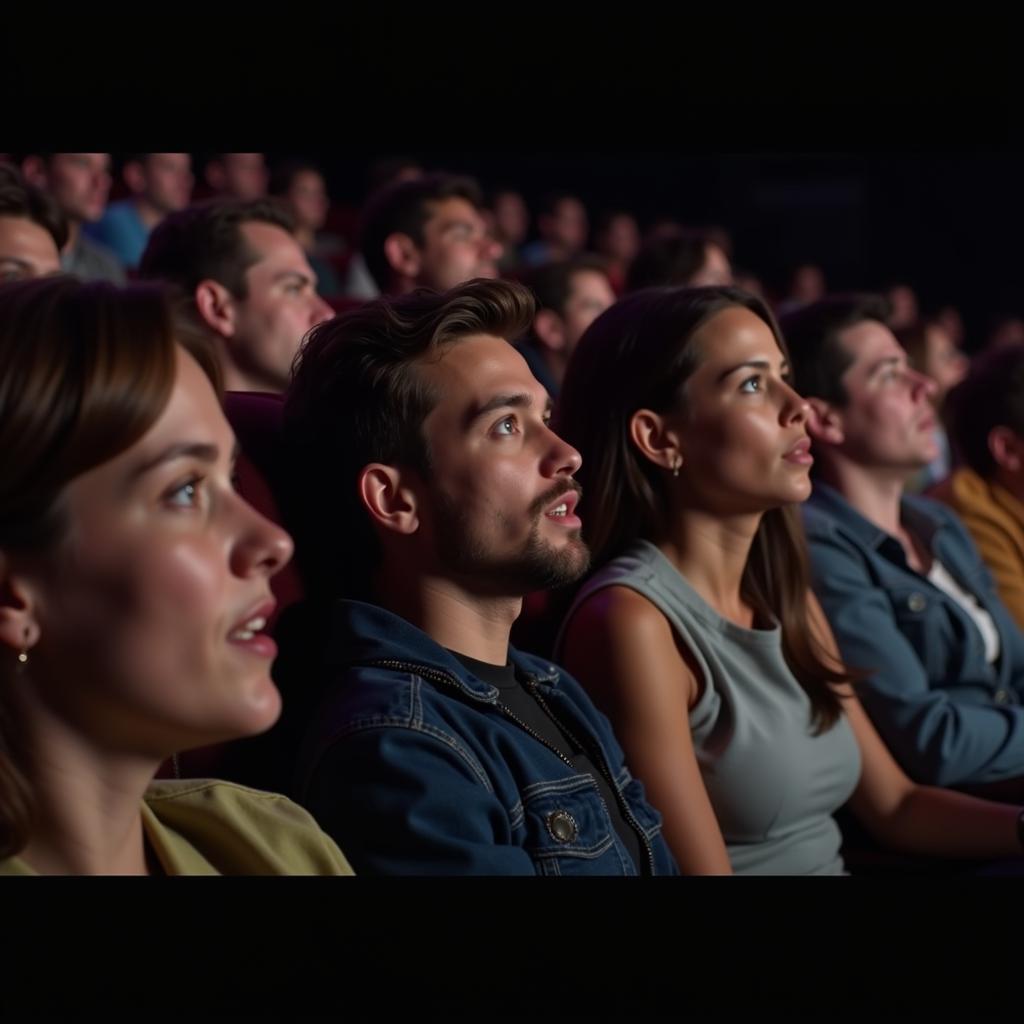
<point x="567" y="827"/>
<point x="919" y="613"/>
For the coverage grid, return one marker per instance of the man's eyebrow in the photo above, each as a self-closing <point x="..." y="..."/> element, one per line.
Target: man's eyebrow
<point x="886" y="361"/>
<point x="297" y="274"/>
<point x="511" y="400"/>
<point x="515" y="400"/>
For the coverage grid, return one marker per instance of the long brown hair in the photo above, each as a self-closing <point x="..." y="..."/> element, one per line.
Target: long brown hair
<point x="85" y="371"/>
<point x="640" y="354"/>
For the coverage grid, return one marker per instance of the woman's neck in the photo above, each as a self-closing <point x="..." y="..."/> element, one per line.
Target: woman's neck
<point x="88" y="818"/>
<point x="712" y="551"/>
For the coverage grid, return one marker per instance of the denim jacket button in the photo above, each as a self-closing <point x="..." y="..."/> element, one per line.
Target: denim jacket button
<point x="1001" y="697"/>
<point x="562" y="826"/>
<point x="916" y="602"/>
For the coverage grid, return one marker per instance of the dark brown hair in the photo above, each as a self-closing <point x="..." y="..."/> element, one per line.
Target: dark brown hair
<point x="992" y="395"/>
<point x="551" y="283"/>
<point x="85" y="371"/>
<point x="356" y="398"/>
<point x="672" y="259"/>
<point x="205" y="241"/>
<point x="640" y="354"/>
<point x="20" y="199"/>
<point x="813" y="334"/>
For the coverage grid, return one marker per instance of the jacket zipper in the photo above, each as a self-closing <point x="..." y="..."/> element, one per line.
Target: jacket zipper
<point x="439" y="676"/>
<point x="599" y="760"/>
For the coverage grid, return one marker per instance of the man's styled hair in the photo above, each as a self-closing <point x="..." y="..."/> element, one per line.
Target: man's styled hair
<point x="358" y="397"/>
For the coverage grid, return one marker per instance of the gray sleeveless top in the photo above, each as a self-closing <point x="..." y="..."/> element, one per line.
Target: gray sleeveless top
<point x="772" y="783"/>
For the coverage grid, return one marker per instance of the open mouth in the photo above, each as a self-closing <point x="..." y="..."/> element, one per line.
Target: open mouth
<point x="247" y="633"/>
<point x="248" y="629"/>
<point x="563" y="511"/>
<point x="565" y="506"/>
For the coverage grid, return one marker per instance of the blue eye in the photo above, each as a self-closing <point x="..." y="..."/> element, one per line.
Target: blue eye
<point x="186" y="495"/>
<point x="751" y="386"/>
<point x="508" y="421"/>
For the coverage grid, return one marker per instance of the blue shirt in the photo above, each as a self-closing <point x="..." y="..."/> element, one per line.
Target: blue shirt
<point x="947" y="714"/>
<point x="121" y="230"/>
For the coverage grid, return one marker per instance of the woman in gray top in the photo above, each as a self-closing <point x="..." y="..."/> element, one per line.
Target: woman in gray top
<point x="699" y="635"/>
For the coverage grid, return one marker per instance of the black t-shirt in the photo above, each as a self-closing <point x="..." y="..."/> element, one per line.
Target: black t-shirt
<point x="514" y="696"/>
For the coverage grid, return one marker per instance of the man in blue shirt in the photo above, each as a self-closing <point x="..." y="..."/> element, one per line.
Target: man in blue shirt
<point x="904" y="588"/>
<point x="160" y="183"/>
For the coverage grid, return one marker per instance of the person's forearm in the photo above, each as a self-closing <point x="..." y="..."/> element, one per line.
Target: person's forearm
<point x="945" y="823"/>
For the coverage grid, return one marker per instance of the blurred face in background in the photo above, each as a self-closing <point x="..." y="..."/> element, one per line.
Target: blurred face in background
<point x="307" y="197"/>
<point x="80" y="182"/>
<point x="26" y="250"/>
<point x="164" y="180"/>
<point x="511" y="218"/>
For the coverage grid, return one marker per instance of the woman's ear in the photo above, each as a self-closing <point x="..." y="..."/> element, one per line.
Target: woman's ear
<point x="19" y="626"/>
<point x="655" y="439"/>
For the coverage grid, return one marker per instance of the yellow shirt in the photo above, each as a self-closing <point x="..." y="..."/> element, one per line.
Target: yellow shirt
<point x="207" y="827"/>
<point x="995" y="520"/>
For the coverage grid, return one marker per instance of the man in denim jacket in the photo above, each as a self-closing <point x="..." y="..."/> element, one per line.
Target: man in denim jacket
<point x="443" y="497"/>
<point x="903" y="586"/>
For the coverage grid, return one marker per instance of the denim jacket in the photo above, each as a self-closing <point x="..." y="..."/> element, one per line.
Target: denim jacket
<point x="412" y="766"/>
<point x="947" y="714"/>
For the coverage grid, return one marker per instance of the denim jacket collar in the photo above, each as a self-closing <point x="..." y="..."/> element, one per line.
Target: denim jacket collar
<point x="364" y="633"/>
<point x="924" y="525"/>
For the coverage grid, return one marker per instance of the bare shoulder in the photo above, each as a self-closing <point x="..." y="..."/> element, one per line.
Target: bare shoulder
<point x="618" y="636"/>
<point x="620" y="611"/>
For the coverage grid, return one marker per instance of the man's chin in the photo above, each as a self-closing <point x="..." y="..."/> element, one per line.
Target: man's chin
<point x="909" y="468"/>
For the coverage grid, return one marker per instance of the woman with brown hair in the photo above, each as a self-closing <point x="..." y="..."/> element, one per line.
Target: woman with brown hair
<point x="699" y="635"/>
<point x="134" y="583"/>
